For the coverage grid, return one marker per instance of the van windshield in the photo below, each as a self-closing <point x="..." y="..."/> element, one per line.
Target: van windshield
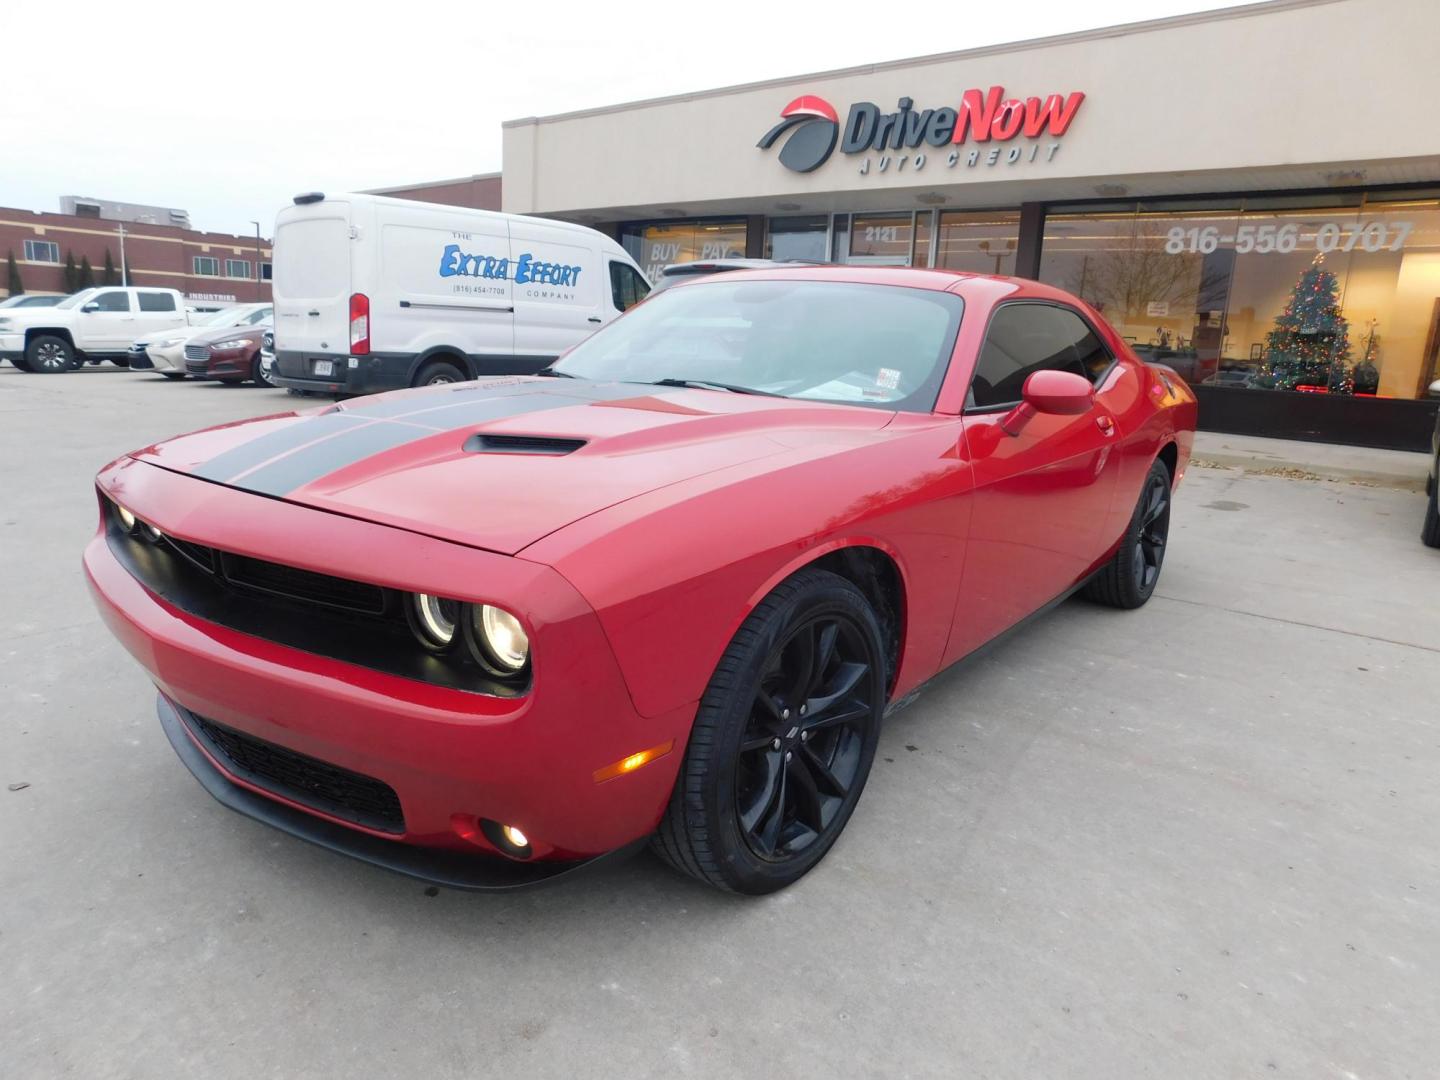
<point x="885" y="346"/>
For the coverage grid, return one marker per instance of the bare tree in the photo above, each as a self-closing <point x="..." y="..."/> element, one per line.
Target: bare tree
<point x="1123" y="280"/>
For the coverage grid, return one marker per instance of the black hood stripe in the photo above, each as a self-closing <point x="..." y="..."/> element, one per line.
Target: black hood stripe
<point x="282" y="461"/>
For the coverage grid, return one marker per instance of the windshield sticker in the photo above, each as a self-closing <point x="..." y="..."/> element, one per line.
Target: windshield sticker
<point x="888" y="379"/>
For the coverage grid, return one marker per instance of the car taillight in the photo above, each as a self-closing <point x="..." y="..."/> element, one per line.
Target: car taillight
<point x="359" y="324"/>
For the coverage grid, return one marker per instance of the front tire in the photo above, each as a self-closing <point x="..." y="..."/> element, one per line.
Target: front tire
<point x="783" y="741"/>
<point x="1130" y="577"/>
<point x="49" y="355"/>
<point x="259" y="373"/>
<point x="1430" y="530"/>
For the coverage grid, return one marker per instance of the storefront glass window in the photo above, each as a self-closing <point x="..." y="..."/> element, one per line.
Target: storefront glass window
<point x="1274" y="294"/>
<point x="656" y="246"/>
<point x="802" y="239"/>
<point x="881" y="239"/>
<point x="982" y="243"/>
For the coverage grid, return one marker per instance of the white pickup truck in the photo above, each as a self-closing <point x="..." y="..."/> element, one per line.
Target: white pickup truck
<point x="93" y="325"/>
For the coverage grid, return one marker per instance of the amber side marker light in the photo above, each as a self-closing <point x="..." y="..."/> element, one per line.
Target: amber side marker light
<point x="633" y="762"/>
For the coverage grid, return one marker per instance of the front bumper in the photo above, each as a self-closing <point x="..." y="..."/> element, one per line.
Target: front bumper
<point x="451" y="756"/>
<point x="452" y="870"/>
<point x="232" y="363"/>
<point x="11" y="346"/>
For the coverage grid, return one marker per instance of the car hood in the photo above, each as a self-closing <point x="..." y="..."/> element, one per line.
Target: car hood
<point x="501" y="463"/>
<point x="209" y="335"/>
<point x="35" y="316"/>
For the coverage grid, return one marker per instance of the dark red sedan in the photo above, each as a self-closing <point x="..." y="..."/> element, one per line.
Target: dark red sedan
<point x="229" y="355"/>
<point x="663" y="593"/>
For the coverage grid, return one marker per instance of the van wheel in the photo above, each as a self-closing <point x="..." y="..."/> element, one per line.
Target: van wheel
<point x="439" y="371"/>
<point x="49" y="355"/>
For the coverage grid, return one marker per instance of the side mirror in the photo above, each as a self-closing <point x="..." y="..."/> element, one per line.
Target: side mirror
<point x="92" y="306"/>
<point x="1435" y="388"/>
<point x="1058" y="393"/>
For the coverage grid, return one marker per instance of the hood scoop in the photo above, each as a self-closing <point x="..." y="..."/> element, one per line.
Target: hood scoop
<point x="483" y="443"/>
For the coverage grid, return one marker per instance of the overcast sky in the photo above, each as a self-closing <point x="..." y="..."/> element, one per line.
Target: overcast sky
<point x="227" y="110"/>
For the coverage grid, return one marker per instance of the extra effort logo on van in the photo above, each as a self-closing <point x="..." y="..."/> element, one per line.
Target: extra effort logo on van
<point x="984" y="117"/>
<point x="456" y="262"/>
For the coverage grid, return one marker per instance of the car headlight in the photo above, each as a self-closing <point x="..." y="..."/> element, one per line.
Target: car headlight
<point x="134" y="526"/>
<point x="497" y="639"/>
<point x="4" y="320"/>
<point x="127" y="519"/>
<point x="434" y="619"/>
<point x="233" y="343"/>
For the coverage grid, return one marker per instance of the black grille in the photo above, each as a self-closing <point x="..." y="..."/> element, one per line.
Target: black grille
<point x="347" y="795"/>
<point x="304" y="585"/>
<point x="198" y="554"/>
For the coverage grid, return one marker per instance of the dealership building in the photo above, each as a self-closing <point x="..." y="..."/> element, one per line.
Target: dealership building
<point x="1233" y="189"/>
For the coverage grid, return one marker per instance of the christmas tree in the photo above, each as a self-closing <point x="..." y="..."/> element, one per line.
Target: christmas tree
<point x="1310" y="344"/>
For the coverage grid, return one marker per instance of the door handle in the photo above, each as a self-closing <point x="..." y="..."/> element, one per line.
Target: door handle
<point x="316" y="314"/>
<point x="1105" y="424"/>
<point x="594" y="318"/>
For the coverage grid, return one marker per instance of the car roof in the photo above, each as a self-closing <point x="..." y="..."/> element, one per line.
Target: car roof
<point x="963" y="282"/>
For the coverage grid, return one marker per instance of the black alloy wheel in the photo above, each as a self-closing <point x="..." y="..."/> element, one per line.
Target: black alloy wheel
<point x="1130" y="577"/>
<point x="802" y="749"/>
<point x="1154" y="528"/>
<point x="783" y="741"/>
<point x="49" y="355"/>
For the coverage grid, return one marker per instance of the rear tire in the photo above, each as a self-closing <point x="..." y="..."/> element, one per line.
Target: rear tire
<point x="1430" y="530"/>
<point x="439" y="371"/>
<point x="783" y="740"/>
<point x="47" y="354"/>
<point x="1130" y="577"/>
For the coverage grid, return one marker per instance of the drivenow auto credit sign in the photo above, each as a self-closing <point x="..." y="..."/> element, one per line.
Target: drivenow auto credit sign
<point x="911" y="139"/>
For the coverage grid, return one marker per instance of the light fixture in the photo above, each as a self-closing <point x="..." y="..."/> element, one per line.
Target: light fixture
<point x="631" y="762"/>
<point x="514" y="836"/>
<point x="127" y="519"/>
<point x="152" y="534"/>
<point x="434" y="619"/>
<point x="498" y="639"/>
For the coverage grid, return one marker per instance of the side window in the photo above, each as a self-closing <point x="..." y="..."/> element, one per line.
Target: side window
<point x="1025" y="338"/>
<point x="1094" y="358"/>
<point x="627" y="288"/>
<point x="156" y="301"/>
<point x="114" y="300"/>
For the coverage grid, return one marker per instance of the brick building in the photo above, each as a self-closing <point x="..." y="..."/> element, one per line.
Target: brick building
<point x="204" y="266"/>
<point x="478" y="192"/>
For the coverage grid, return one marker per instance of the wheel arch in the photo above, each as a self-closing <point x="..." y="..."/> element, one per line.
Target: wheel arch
<point x="32" y="332"/>
<point x="1169" y="456"/>
<point x="872" y="566"/>
<point x="439" y="354"/>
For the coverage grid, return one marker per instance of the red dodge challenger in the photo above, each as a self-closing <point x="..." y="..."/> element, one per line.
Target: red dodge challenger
<point x="488" y="633"/>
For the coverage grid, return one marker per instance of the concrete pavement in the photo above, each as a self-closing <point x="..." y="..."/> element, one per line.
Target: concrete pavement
<point x="1197" y="840"/>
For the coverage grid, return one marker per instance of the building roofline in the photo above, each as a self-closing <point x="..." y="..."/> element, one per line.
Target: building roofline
<point x="1121" y="30"/>
<point x="430" y="184"/>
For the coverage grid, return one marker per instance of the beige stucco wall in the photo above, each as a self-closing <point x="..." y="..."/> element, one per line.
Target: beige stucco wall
<point x="1273" y="96"/>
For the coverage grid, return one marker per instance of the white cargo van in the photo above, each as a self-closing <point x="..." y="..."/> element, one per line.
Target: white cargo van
<point x="374" y="293"/>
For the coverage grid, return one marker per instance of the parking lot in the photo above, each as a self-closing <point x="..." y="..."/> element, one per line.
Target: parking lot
<point x="1190" y="841"/>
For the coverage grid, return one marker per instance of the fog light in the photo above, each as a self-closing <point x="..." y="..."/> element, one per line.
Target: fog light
<point x="508" y="839"/>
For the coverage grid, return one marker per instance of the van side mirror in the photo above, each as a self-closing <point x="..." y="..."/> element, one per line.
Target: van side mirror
<point x="1057" y="393"/>
<point x="1435" y="388"/>
<point x="92" y="306"/>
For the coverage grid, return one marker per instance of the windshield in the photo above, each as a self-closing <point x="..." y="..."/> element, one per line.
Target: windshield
<point x="79" y="298"/>
<point x="878" y="345"/>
